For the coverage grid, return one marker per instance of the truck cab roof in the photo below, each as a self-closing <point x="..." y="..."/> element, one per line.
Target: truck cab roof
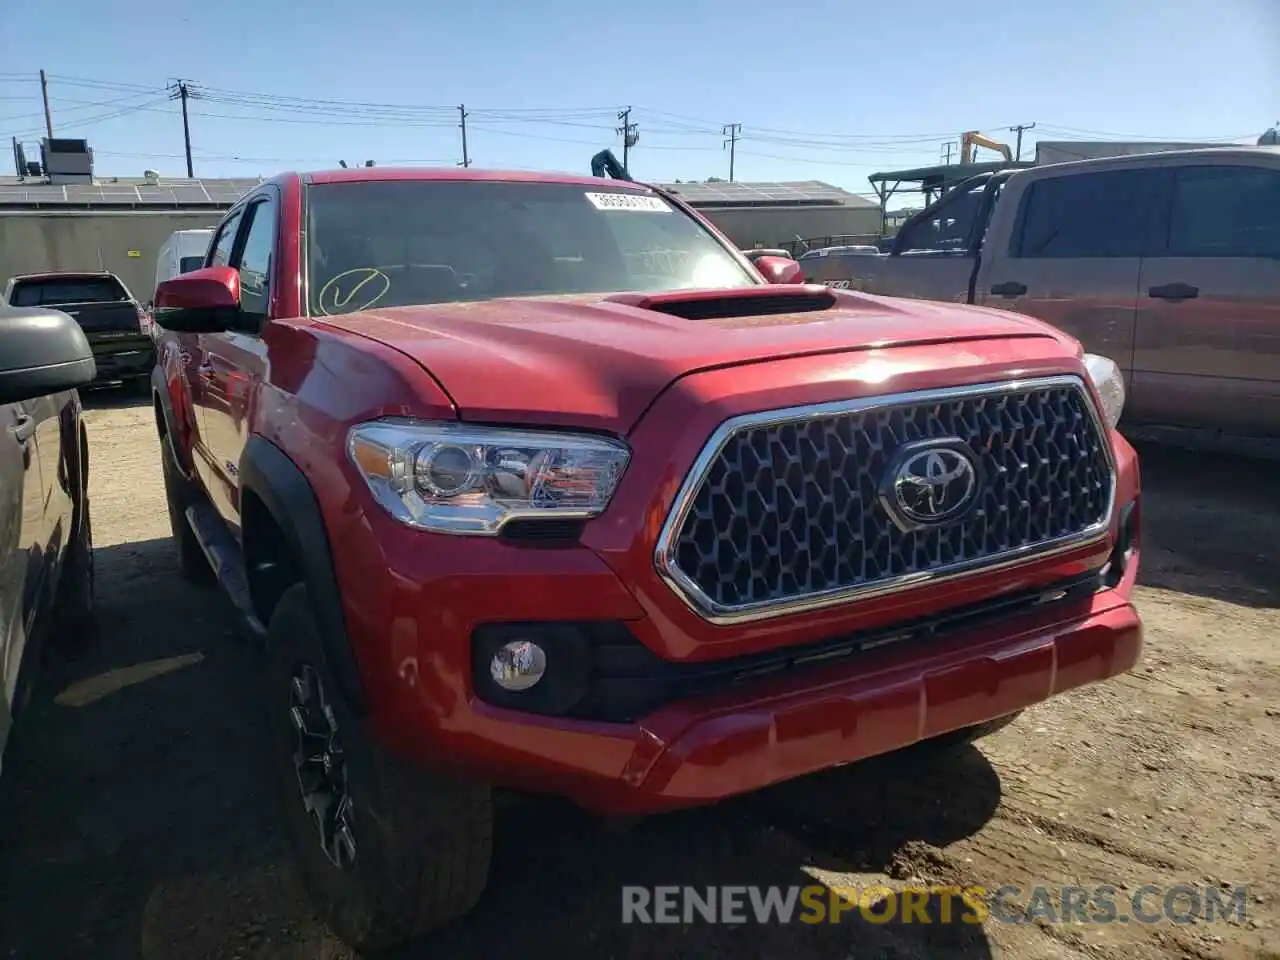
<point x="368" y="174"/>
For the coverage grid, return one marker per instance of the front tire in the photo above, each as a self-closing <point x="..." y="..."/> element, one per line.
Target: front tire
<point x="388" y="851"/>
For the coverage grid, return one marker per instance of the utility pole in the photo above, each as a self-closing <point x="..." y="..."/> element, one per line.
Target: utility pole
<point x="44" y="93"/>
<point x="947" y="148"/>
<point x="630" y="135"/>
<point x="180" y="91"/>
<point x="462" y="114"/>
<point x="732" y="133"/>
<point x="1017" y="153"/>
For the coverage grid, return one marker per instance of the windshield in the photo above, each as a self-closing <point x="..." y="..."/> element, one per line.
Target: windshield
<point x="59" y="290"/>
<point x="397" y="243"/>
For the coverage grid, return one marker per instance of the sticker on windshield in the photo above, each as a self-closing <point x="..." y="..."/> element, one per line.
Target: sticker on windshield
<point x="628" y="201"/>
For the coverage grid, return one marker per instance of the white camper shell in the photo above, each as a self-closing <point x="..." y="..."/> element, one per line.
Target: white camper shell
<point x="183" y="252"/>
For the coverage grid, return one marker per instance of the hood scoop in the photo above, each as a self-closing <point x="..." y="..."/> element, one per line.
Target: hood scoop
<point x="728" y="304"/>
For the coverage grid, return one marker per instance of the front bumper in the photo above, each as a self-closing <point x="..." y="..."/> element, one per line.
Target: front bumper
<point x="413" y="604"/>
<point x="698" y="751"/>
<point x="414" y="641"/>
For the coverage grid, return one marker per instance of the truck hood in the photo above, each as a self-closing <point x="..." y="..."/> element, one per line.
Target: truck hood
<point x="599" y="361"/>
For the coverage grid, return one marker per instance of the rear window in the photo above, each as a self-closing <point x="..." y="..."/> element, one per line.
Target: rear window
<point x="1225" y="212"/>
<point x="60" y="290"/>
<point x="187" y="264"/>
<point x="398" y="243"/>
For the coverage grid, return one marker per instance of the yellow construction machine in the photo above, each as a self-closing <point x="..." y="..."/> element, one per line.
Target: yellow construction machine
<point x="972" y="138"/>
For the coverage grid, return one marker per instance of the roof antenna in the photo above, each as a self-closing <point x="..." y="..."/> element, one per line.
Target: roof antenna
<point x="342" y="164"/>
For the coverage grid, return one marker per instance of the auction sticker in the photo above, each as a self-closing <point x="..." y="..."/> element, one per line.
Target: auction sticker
<point x="628" y="201"/>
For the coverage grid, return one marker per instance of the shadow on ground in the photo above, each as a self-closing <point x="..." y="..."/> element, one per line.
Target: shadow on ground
<point x="103" y="803"/>
<point x="558" y="876"/>
<point x="1210" y="525"/>
<point x="141" y="824"/>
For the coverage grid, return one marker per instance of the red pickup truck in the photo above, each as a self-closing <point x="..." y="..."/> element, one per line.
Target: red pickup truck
<point x="536" y="483"/>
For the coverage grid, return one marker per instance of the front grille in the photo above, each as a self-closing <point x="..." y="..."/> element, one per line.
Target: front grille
<point x="797" y="508"/>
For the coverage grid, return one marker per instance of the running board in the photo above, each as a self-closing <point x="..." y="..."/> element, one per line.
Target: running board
<point x="227" y="561"/>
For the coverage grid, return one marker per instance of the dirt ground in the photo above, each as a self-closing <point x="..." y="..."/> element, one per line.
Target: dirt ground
<point x="136" y="820"/>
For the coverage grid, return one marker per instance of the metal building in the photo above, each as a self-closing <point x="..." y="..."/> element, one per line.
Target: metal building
<point x="115" y="224"/>
<point x="1064" y="151"/>
<point x="776" y="214"/>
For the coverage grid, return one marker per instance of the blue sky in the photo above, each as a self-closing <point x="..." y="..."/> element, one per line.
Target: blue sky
<point x="823" y="89"/>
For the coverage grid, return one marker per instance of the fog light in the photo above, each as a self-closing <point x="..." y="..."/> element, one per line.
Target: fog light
<point x="518" y="665"/>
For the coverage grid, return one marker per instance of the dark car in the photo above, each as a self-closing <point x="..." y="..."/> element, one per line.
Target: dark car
<point x="118" y="328"/>
<point x="46" y="542"/>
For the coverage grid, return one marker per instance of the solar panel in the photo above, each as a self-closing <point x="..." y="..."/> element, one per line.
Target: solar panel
<point x="190" y="193"/>
<point x="83" y="192"/>
<point x="804" y="191"/>
<point x="226" y="193"/>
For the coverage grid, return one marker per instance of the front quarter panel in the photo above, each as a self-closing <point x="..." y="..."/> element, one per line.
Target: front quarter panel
<point x="319" y="383"/>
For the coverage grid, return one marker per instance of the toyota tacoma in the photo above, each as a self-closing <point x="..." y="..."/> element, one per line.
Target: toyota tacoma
<point x="534" y="483"/>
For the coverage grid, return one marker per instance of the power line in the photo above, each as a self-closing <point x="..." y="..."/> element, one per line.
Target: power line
<point x="87" y="121"/>
<point x="100" y="84"/>
<point x="673" y="131"/>
<point x="75" y="105"/>
<point x="1139" y="137"/>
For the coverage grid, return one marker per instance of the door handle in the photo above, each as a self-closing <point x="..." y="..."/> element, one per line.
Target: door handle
<point x="1010" y="288"/>
<point x="23" y="428"/>
<point x="1174" y="291"/>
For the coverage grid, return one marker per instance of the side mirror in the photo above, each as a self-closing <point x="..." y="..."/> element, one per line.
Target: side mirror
<point x="42" y="352"/>
<point x="202" y="301"/>
<point x="780" y="270"/>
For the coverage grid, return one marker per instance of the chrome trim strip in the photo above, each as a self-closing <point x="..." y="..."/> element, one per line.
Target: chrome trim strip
<point x="697" y="601"/>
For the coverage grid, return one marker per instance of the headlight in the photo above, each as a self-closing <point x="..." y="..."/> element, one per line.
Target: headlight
<point x="456" y="478"/>
<point x="1109" y="383"/>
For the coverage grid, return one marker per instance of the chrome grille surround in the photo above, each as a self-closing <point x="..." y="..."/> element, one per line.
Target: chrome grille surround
<point x="944" y="407"/>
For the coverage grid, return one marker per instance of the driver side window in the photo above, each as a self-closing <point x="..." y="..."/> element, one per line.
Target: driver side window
<point x="254" y="262"/>
<point x="220" y="249"/>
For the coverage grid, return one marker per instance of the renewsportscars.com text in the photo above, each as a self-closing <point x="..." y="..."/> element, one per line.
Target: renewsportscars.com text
<point x="1103" y="904"/>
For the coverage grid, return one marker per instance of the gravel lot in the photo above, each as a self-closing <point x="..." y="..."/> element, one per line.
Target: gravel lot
<point x="138" y="821"/>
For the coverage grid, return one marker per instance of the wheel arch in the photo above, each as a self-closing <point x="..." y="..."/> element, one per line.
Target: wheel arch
<point x="161" y="402"/>
<point x="285" y="541"/>
<point x="82" y="470"/>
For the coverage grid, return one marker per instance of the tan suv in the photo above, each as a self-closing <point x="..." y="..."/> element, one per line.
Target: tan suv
<point x="1168" y="263"/>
